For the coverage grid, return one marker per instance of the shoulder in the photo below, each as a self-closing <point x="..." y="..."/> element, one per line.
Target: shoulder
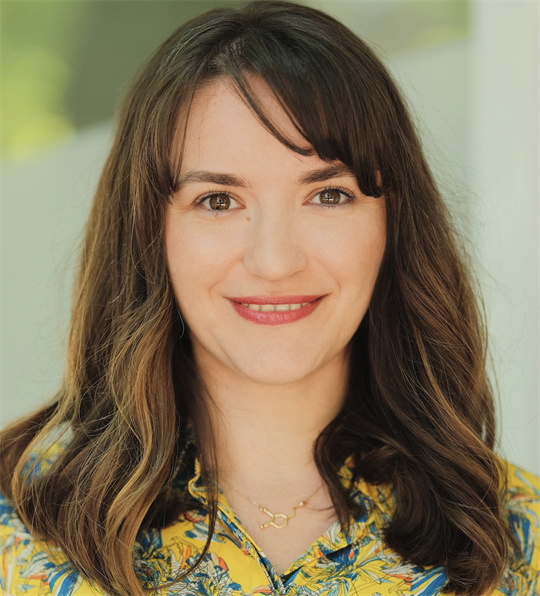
<point x="522" y="513"/>
<point x="31" y="567"/>
<point x="523" y="489"/>
<point x="522" y="508"/>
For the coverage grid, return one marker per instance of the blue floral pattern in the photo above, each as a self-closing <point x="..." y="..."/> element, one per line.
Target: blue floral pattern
<point x="339" y="563"/>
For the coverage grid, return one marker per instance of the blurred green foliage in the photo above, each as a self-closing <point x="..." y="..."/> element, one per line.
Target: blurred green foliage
<point x="38" y="39"/>
<point x="66" y="63"/>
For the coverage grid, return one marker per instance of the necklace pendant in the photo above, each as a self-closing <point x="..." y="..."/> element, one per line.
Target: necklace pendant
<point x="274" y="516"/>
<point x="272" y="522"/>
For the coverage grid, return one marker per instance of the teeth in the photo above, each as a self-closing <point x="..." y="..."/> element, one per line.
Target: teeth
<point x="274" y="307"/>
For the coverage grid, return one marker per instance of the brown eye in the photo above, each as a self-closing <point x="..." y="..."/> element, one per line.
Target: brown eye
<point x="219" y="202"/>
<point x="331" y="196"/>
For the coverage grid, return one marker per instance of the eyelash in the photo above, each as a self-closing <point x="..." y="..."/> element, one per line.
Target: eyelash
<point x="348" y="194"/>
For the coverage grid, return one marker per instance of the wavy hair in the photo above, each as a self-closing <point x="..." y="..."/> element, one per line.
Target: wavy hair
<point x="419" y="410"/>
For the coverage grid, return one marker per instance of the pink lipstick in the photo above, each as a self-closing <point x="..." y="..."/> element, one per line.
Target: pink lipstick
<point x="275" y="310"/>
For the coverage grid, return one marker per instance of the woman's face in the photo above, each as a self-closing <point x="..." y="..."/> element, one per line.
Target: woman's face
<point x="273" y="256"/>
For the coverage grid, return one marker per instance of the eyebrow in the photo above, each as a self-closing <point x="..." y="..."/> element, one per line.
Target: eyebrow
<point x="311" y="177"/>
<point x="214" y="178"/>
<point x="323" y="174"/>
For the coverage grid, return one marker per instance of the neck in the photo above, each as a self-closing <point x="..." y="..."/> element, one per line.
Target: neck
<point x="264" y="434"/>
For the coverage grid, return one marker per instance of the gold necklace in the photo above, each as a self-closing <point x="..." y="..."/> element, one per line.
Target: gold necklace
<point x="274" y="516"/>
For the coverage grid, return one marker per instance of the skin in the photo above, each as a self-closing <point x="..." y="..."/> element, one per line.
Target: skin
<point x="271" y="389"/>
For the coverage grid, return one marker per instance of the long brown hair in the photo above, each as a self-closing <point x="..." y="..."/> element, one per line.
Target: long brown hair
<point x="419" y="410"/>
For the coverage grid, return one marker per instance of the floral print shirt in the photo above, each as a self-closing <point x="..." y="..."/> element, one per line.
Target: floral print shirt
<point x="357" y="562"/>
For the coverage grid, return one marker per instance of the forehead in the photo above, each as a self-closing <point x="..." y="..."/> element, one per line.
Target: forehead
<point x="222" y="127"/>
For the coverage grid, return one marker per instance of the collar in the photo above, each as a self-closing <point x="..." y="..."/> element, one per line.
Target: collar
<point x="377" y="501"/>
<point x="335" y="545"/>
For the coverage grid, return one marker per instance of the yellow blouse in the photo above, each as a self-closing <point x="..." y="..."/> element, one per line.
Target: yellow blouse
<point x="338" y="563"/>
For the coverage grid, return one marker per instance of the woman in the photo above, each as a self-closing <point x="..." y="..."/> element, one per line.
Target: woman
<point x="275" y="347"/>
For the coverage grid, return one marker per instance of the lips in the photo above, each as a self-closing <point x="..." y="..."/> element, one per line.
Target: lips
<point x="296" y="299"/>
<point x="275" y="310"/>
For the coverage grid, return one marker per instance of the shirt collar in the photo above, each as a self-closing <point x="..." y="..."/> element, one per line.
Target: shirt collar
<point x="377" y="501"/>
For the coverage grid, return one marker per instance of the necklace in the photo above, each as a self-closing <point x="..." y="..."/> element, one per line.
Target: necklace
<point x="274" y="516"/>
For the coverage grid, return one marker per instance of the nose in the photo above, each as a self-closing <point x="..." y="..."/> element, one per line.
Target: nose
<point x="274" y="250"/>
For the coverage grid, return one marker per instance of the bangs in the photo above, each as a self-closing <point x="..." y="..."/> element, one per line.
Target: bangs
<point x="325" y="95"/>
<point x="321" y="96"/>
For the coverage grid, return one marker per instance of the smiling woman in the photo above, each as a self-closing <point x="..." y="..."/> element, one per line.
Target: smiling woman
<point x="275" y="237"/>
<point x="276" y="368"/>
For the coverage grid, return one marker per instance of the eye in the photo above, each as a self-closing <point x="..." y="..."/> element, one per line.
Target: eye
<point x="332" y="197"/>
<point x="217" y="201"/>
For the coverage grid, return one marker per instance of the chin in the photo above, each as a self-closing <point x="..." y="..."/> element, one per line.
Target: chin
<point x="277" y="370"/>
<point x="267" y="377"/>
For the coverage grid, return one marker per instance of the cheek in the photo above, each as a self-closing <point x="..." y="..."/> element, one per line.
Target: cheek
<point x="367" y="250"/>
<point x="198" y="256"/>
<point x="353" y="252"/>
